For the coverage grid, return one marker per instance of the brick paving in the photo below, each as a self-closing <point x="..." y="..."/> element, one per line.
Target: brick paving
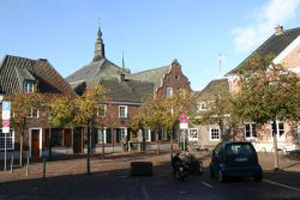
<point x="120" y="161"/>
<point x="116" y="161"/>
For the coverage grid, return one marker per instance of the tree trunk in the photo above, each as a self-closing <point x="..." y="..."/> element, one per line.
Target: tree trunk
<point x="103" y="147"/>
<point x="21" y="149"/>
<point x="171" y="143"/>
<point x="276" y="161"/>
<point x="144" y="140"/>
<point x="89" y="149"/>
<point x="222" y="136"/>
<point x="157" y="144"/>
<point x="113" y="140"/>
<point x="50" y="143"/>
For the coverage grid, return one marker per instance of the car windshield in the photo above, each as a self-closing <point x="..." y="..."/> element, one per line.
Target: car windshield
<point x="239" y="149"/>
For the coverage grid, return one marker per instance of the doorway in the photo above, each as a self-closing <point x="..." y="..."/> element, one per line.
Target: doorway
<point x="36" y="138"/>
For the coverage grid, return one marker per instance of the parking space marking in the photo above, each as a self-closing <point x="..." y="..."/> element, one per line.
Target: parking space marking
<point x="206" y="184"/>
<point x="282" y="185"/>
<point x="145" y="193"/>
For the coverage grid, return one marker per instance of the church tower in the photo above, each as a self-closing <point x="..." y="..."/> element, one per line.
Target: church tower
<point x="99" y="47"/>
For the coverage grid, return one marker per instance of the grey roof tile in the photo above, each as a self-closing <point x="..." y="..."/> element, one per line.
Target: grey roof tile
<point x="102" y="67"/>
<point x="152" y="75"/>
<point x="127" y="90"/>
<point x="14" y="69"/>
<point x="275" y="45"/>
<point x="213" y="88"/>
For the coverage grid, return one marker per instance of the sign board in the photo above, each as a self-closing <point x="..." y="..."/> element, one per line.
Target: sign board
<point x="183" y="125"/>
<point x="6" y="106"/>
<point x="184" y="119"/>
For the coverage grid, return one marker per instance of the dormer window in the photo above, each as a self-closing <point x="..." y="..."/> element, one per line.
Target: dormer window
<point x="28" y="86"/>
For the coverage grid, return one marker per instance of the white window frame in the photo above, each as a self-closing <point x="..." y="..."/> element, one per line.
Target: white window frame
<point x="279" y="138"/>
<point x="202" y="106"/>
<point x="101" y="132"/>
<point x="164" y="134"/>
<point x="182" y="92"/>
<point x="28" y="86"/>
<point x="210" y="134"/>
<point x="13" y="140"/>
<point x="148" y="135"/>
<point x="37" y="113"/>
<point x="251" y="130"/>
<point x="125" y="113"/>
<point x="169" y="92"/>
<point x="190" y="134"/>
<point x="123" y="136"/>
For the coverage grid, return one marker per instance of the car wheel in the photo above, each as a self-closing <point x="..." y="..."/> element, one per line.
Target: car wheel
<point x="258" y="178"/>
<point x="221" y="177"/>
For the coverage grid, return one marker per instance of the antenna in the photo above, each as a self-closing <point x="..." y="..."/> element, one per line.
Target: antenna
<point x="123" y="61"/>
<point x="221" y="59"/>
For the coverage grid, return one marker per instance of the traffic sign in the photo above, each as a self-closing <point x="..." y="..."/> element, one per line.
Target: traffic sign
<point x="184" y="119"/>
<point x="6" y="106"/>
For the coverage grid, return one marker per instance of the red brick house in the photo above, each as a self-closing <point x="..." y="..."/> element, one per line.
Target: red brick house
<point x="24" y="74"/>
<point x="285" y="46"/>
<point x="127" y="92"/>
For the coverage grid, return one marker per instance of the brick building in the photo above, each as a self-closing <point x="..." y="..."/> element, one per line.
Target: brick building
<point x="127" y="92"/>
<point x="285" y="46"/>
<point x="209" y="135"/>
<point x="26" y="75"/>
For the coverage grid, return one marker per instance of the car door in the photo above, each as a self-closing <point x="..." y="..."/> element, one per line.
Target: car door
<point x="216" y="158"/>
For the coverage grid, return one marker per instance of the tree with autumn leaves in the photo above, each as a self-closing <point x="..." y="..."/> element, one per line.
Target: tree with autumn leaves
<point x="22" y="108"/>
<point x="267" y="93"/>
<point x="161" y="113"/>
<point x="88" y="106"/>
<point x="218" y="111"/>
<point x="61" y="111"/>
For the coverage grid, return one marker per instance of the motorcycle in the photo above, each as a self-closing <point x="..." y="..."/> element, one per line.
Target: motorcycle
<point x="180" y="168"/>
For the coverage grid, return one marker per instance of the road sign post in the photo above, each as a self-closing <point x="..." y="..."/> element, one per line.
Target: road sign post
<point x="183" y="119"/>
<point x="6" y="107"/>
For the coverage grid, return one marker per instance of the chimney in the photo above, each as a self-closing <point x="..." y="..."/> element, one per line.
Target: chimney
<point x="43" y="59"/>
<point x="279" y="30"/>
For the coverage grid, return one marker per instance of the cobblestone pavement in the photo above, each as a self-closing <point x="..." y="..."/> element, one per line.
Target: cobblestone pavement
<point x="75" y="166"/>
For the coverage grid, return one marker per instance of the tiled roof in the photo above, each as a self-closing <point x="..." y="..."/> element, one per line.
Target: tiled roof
<point x="127" y="90"/>
<point x="215" y="87"/>
<point x="102" y="67"/>
<point x="13" y="70"/>
<point x="275" y="45"/>
<point x="152" y="75"/>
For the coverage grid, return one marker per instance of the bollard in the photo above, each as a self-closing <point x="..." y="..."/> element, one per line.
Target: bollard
<point x="27" y="166"/>
<point x="44" y="167"/>
<point x="12" y="164"/>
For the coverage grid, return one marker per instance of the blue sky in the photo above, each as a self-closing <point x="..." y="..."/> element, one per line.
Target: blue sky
<point x="151" y="32"/>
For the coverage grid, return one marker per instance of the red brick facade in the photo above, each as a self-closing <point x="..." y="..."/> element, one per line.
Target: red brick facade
<point x="175" y="79"/>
